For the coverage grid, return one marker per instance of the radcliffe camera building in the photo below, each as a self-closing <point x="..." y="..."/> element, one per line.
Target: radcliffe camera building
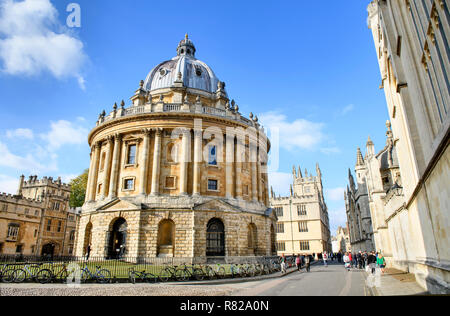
<point x="408" y="184"/>
<point x="303" y="224"/>
<point x="179" y="173"/>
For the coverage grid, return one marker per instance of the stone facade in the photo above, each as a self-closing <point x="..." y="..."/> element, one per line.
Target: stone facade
<point x="303" y="224"/>
<point x="411" y="41"/>
<point x="179" y="173"/>
<point x="37" y="220"/>
<point x="341" y="242"/>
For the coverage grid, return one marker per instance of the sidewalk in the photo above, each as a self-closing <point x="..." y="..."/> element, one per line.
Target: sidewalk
<point x="394" y="283"/>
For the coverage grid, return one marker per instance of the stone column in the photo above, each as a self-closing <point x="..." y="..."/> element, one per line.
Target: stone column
<point x="185" y="158"/>
<point x="144" y="162"/>
<point x="260" y="188"/>
<point x="94" y="175"/>
<point x="229" y="165"/>
<point x="238" y="165"/>
<point x="107" y="166"/>
<point x="156" y="162"/>
<point x="254" y="171"/>
<point x="91" y="167"/>
<point x="115" y="166"/>
<point x="197" y="161"/>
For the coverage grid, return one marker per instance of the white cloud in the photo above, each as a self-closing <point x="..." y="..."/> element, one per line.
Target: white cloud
<point x="347" y="109"/>
<point x="338" y="217"/>
<point x="20" y="133"/>
<point x="64" y="132"/>
<point x="29" y="44"/>
<point x="336" y="194"/>
<point x="11" y="160"/>
<point x="8" y="184"/>
<point x="298" y="134"/>
<point x="330" y="150"/>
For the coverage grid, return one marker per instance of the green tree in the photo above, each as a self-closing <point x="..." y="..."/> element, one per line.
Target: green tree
<point x="79" y="185"/>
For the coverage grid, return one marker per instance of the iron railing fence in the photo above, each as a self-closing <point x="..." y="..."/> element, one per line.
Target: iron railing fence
<point x="120" y="268"/>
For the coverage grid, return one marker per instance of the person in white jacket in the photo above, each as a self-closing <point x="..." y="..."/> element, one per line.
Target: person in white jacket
<point x="347" y="261"/>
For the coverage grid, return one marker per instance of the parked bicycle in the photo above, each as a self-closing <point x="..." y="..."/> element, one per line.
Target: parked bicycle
<point x="215" y="272"/>
<point x="33" y="272"/>
<point x="169" y="273"/>
<point x="185" y="272"/>
<point x="141" y="276"/>
<point x="100" y="275"/>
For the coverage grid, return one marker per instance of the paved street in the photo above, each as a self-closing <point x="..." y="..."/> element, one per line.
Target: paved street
<point x="321" y="281"/>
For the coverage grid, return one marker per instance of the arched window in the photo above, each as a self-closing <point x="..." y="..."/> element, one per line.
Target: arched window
<point x="215" y="238"/>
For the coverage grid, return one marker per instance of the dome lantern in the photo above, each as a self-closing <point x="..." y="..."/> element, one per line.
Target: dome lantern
<point x="186" y="47"/>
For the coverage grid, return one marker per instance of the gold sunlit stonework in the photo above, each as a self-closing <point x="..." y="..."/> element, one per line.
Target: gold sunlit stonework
<point x="178" y="173"/>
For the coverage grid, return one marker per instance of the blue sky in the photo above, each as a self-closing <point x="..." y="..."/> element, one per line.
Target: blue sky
<point x="307" y="67"/>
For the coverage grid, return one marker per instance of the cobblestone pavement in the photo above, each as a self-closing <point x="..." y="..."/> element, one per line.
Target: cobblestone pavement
<point x="112" y="290"/>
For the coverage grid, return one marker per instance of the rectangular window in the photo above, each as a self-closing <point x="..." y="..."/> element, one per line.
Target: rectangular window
<point x="279" y="211"/>
<point x="35" y="232"/>
<point x="281" y="246"/>
<point x="303" y="227"/>
<point x="170" y="183"/>
<point x="59" y="226"/>
<point x="13" y="232"/>
<point x="131" y="157"/>
<point x="245" y="190"/>
<point x="304" y="245"/>
<point x="307" y="189"/>
<point x="19" y="248"/>
<point x="212" y="185"/>
<point x="49" y="225"/>
<point x="212" y="155"/>
<point x="72" y="235"/>
<point x="129" y="184"/>
<point x="280" y="227"/>
<point x="301" y="210"/>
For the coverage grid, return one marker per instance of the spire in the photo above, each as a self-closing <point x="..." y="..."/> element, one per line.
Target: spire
<point x="306" y="173"/>
<point x="370" y="148"/>
<point x="300" y="172"/>
<point x="359" y="158"/>
<point x="294" y="172"/>
<point x="319" y="173"/>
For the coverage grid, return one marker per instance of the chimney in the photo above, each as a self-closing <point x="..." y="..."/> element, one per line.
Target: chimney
<point x="19" y="190"/>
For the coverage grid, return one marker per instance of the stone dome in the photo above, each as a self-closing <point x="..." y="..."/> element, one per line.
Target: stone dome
<point x="195" y="74"/>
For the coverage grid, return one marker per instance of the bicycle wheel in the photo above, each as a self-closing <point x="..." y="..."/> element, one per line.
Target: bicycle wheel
<point x="85" y="276"/>
<point x="20" y="275"/>
<point x="181" y="275"/>
<point x="165" y="274"/>
<point x="199" y="275"/>
<point x="44" y="276"/>
<point x="221" y="272"/>
<point x="103" y="276"/>
<point x="8" y="276"/>
<point x="62" y="277"/>
<point x="133" y="277"/>
<point x="150" y="277"/>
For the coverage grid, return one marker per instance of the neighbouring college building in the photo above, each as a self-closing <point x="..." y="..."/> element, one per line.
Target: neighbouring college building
<point x="37" y="219"/>
<point x="303" y="225"/>
<point x="408" y="182"/>
<point x="179" y="173"/>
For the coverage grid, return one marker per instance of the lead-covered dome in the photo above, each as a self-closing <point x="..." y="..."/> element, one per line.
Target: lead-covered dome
<point x="194" y="73"/>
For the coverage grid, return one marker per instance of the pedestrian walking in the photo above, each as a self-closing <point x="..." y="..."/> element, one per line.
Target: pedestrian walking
<point x="308" y="262"/>
<point x="371" y="260"/>
<point x="350" y="258"/>
<point x="88" y="252"/>
<point x="381" y="262"/>
<point x="298" y="262"/>
<point x="347" y="261"/>
<point x="283" y="264"/>
<point x="325" y="258"/>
